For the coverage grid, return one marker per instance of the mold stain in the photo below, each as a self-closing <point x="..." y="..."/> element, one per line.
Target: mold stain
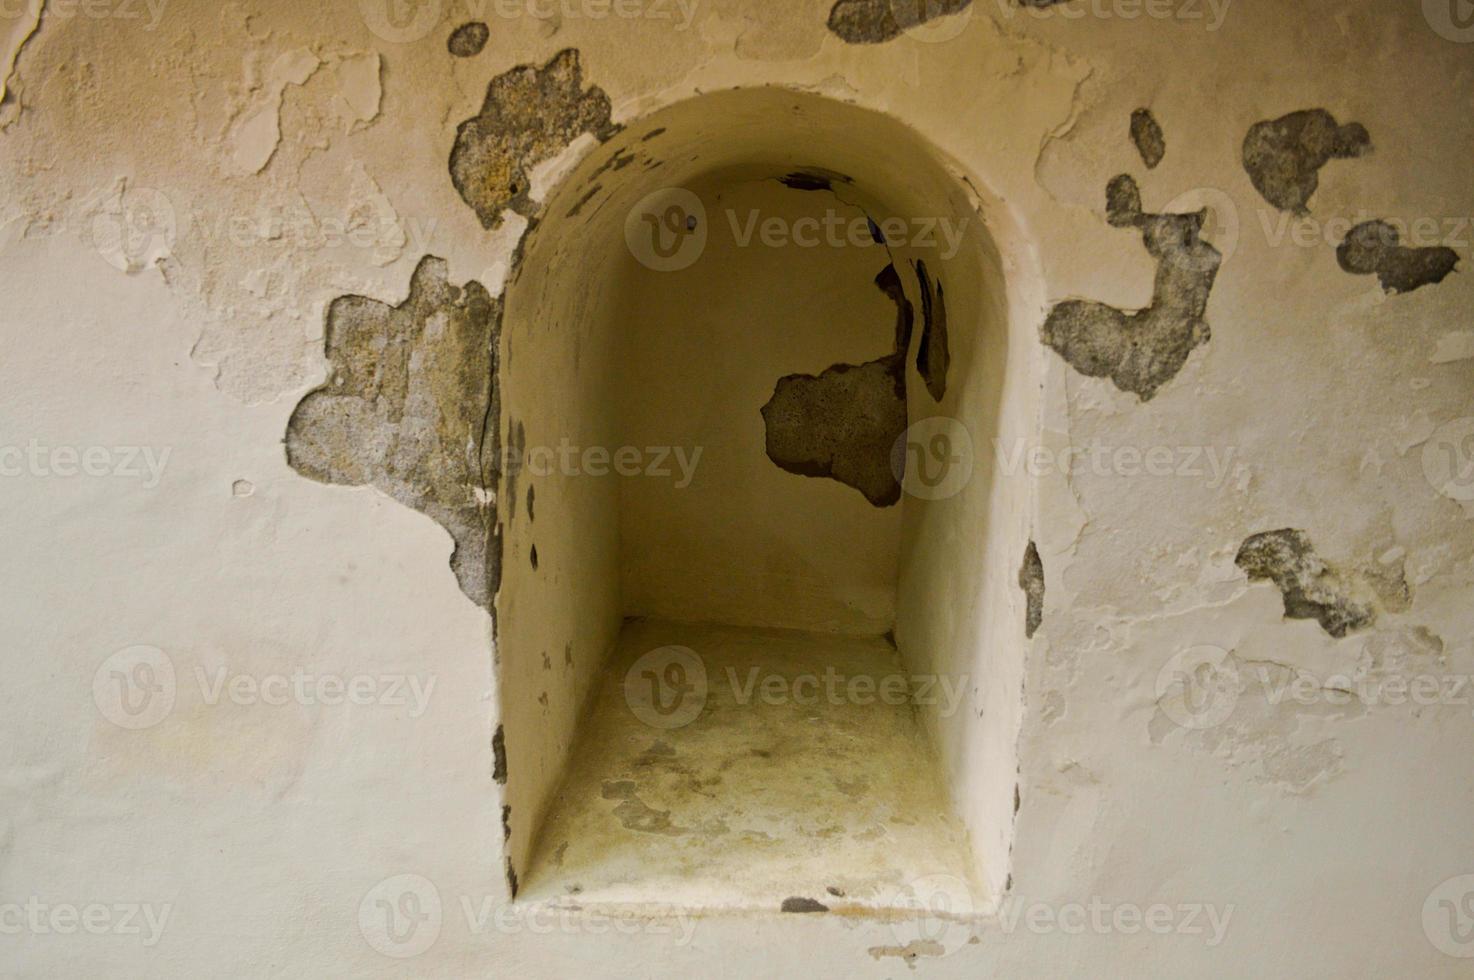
<point x="1312" y="589"/>
<point x="803" y="905"/>
<point x="468" y="40"/>
<point x="1146" y="133"/>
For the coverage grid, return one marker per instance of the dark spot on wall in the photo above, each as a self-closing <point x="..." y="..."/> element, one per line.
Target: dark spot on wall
<point x="517" y="457"/>
<point x="531" y="513"/>
<point x="1375" y="247"/>
<point x="933" y="356"/>
<point x="532" y="556"/>
<point x="1312" y="589"/>
<point x="1018" y="800"/>
<point x="530" y="114"/>
<point x="1283" y="156"/>
<point x="578" y="205"/>
<point x="814" y="179"/>
<point x="844" y="423"/>
<point x="1144" y="350"/>
<point x="652" y="134"/>
<point x="512" y="883"/>
<point x="467" y="40"/>
<point x="499" y="756"/>
<point x="877" y="21"/>
<point x="803" y="905"/>
<point x="410" y="407"/>
<point x="506" y="823"/>
<point x="1031" y="580"/>
<point x="1146" y="133"/>
<point x="568" y="655"/>
<point x="836" y="892"/>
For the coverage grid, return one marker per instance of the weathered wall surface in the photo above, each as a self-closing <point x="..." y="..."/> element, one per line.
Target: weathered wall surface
<point x="244" y="701"/>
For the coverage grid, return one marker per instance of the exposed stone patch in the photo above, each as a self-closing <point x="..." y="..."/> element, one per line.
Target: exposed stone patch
<point x="844" y="423"/>
<point x="1283" y="156"/>
<point x="529" y="115"/>
<point x="1146" y="133"/>
<point x="877" y="21"/>
<point x="1312" y="588"/>
<point x="933" y="356"/>
<point x="410" y="407"/>
<point x="467" y="40"/>
<point x="499" y="755"/>
<point x="1031" y="580"/>
<point x="803" y="905"/>
<point x="1374" y="247"/>
<point x="1144" y="350"/>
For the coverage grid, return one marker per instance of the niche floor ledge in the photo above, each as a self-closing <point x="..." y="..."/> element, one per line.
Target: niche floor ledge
<point x="775" y="766"/>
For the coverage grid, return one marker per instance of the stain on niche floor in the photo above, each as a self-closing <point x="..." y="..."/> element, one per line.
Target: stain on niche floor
<point x="759" y="799"/>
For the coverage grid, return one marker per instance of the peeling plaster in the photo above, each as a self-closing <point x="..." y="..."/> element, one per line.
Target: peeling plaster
<point x="844" y="423"/>
<point x="1283" y="156"/>
<point x="529" y="116"/>
<point x="1373" y="248"/>
<point x="410" y="407"/>
<point x="877" y="21"/>
<point x="1142" y="351"/>
<point x="1312" y="588"/>
<point x="19" y="30"/>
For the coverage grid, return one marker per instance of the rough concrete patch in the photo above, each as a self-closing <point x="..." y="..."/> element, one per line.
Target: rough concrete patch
<point x="1374" y="247"/>
<point x="1312" y="588"/>
<point x="933" y="356"/>
<point x="529" y="115"/>
<point x="844" y="423"/>
<point x="1031" y="580"/>
<point x="877" y="21"/>
<point x="1283" y="156"/>
<point x="467" y="40"/>
<point x="1146" y="133"/>
<point x="410" y="407"/>
<point x="803" y="905"/>
<point x="1144" y="350"/>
